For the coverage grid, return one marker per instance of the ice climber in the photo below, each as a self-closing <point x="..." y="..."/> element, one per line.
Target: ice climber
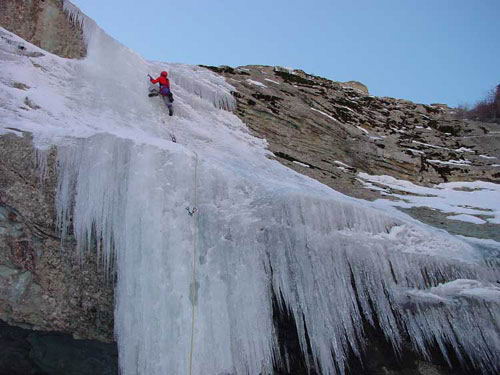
<point x="165" y="92"/>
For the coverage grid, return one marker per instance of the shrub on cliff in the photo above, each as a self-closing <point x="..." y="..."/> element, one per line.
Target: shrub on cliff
<point x="487" y="109"/>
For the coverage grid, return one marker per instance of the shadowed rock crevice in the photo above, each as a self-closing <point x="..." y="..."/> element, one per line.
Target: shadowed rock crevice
<point x="27" y="352"/>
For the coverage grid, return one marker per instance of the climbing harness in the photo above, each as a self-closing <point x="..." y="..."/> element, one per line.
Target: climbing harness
<point x="191" y="212"/>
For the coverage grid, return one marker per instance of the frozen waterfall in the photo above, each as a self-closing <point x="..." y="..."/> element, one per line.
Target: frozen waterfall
<point x="334" y="262"/>
<point x="203" y="233"/>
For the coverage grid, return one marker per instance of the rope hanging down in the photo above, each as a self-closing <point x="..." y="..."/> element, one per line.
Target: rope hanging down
<point x="193" y="291"/>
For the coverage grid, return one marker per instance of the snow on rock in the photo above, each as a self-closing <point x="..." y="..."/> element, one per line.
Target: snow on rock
<point x="464" y="149"/>
<point x="467" y="219"/>
<point x="362" y="129"/>
<point x="301" y="164"/>
<point x="204" y="232"/>
<point x="467" y="198"/>
<point x="343" y="164"/>
<point x="415" y="151"/>
<point x="429" y="145"/>
<point x="450" y="162"/>
<point x="323" y="113"/>
<point x="270" y="80"/>
<point x="255" y="83"/>
<point x="369" y="185"/>
<point x="284" y="69"/>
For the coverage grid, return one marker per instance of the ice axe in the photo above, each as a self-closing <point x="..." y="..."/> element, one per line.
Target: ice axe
<point x="151" y="93"/>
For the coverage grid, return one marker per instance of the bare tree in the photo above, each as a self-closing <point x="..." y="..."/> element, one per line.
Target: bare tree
<point x="487" y="109"/>
<point x="496" y="103"/>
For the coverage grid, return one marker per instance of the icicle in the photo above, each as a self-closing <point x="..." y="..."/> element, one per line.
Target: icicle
<point x="209" y="87"/>
<point x="80" y="20"/>
<point x="334" y="262"/>
<point x="41" y="156"/>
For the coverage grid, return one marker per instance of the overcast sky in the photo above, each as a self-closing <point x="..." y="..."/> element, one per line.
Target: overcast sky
<point x="428" y="51"/>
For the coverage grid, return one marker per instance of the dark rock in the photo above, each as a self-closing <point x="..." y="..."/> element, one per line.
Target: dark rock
<point x="20" y="86"/>
<point x="60" y="354"/>
<point x="294" y="78"/>
<point x="27" y="352"/>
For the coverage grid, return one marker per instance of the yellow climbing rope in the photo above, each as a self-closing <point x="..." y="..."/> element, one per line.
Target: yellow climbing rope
<point x="193" y="291"/>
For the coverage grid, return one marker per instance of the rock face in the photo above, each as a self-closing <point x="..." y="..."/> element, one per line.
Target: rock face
<point x="330" y="131"/>
<point x="318" y="123"/>
<point x="44" y="286"/>
<point x="357" y="86"/>
<point x="43" y="23"/>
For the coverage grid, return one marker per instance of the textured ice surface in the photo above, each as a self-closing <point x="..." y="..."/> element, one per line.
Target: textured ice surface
<point x="194" y="289"/>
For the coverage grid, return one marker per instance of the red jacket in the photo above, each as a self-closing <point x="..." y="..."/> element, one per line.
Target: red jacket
<point x="162" y="80"/>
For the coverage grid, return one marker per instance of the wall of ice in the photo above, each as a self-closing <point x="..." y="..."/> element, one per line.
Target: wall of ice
<point x="333" y="261"/>
<point x="194" y="289"/>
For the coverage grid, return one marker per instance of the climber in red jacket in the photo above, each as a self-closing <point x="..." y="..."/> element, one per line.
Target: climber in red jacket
<point x="165" y="92"/>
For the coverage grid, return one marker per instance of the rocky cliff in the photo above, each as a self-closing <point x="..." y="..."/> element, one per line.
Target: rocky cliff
<point x="45" y="24"/>
<point x="331" y="131"/>
<point x="44" y="283"/>
<point x="319" y="122"/>
<point x="45" y="286"/>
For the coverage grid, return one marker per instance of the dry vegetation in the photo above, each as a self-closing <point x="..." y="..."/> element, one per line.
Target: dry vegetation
<point x="487" y="109"/>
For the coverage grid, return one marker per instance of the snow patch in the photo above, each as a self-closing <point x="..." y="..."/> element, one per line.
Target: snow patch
<point x="415" y="151"/>
<point x="464" y="163"/>
<point x="301" y="164"/>
<point x="483" y="198"/>
<point x="362" y="129"/>
<point x="270" y="80"/>
<point x="323" y="113"/>
<point x="343" y="164"/>
<point x="255" y="83"/>
<point x="429" y="145"/>
<point x="467" y="219"/>
<point x="284" y="69"/>
<point x="464" y="149"/>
